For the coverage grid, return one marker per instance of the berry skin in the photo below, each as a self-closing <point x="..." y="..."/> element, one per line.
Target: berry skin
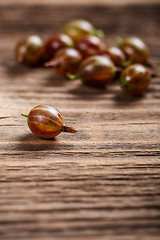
<point x="115" y="54"/>
<point x="89" y="45"/>
<point x="135" y="49"/>
<point x="56" y="42"/>
<point x="79" y="28"/>
<point x="97" y="71"/>
<point x="135" y="79"/>
<point x="29" y="51"/>
<point x="66" y="60"/>
<point x="46" y="122"/>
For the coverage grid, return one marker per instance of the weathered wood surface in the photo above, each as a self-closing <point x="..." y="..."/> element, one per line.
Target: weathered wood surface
<point x="102" y="182"/>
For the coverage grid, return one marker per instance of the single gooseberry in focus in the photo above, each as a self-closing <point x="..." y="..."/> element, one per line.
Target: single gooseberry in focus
<point x="56" y="42"/>
<point x="96" y="71"/>
<point x="79" y="28"/>
<point x="135" y="49"/>
<point x="135" y="79"/>
<point x="66" y="60"/>
<point x="89" y="45"/>
<point x="46" y="122"/>
<point x="29" y="51"/>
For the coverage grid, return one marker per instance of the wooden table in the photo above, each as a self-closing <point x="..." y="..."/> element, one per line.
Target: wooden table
<point x="102" y="182"/>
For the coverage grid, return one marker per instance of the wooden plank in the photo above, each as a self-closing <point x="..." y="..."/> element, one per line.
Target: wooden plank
<point x="78" y="2"/>
<point x="100" y="183"/>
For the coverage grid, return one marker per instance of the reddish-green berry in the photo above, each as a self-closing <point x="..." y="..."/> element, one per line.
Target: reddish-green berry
<point x="66" y="60"/>
<point x="79" y="28"/>
<point x="135" y="49"/>
<point x="115" y="54"/>
<point x="56" y="42"/>
<point x="29" y="51"/>
<point x="135" y="79"/>
<point x="89" y="45"/>
<point x="46" y="122"/>
<point x="97" y="71"/>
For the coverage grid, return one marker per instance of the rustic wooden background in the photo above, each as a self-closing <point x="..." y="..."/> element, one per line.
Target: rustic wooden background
<point x="79" y="2"/>
<point x="102" y="182"/>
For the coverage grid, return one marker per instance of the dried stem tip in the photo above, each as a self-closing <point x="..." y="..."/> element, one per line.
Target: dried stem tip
<point x="52" y="63"/>
<point x="68" y="129"/>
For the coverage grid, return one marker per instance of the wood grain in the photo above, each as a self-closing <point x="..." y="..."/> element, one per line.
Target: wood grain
<point x="79" y="2"/>
<point x="100" y="183"/>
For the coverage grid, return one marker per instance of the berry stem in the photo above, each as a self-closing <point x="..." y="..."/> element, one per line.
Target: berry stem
<point x="52" y="63"/>
<point x="151" y="65"/>
<point x="20" y="59"/>
<point x="118" y="40"/>
<point x="98" y="33"/>
<point x="72" y="76"/>
<point x="24" y="115"/>
<point x="127" y="63"/>
<point x="68" y="129"/>
<point x="154" y="74"/>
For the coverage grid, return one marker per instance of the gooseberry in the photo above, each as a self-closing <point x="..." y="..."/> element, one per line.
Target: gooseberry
<point x="79" y="28"/>
<point x="135" y="79"/>
<point x="135" y="49"/>
<point x="89" y="45"/>
<point x="46" y="122"/>
<point x="56" y="42"/>
<point x="115" y="54"/>
<point x="97" y="71"/>
<point x="66" y="60"/>
<point x="29" y="51"/>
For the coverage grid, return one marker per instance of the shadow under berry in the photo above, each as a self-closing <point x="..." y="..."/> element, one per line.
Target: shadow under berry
<point x="122" y="99"/>
<point x="86" y="93"/>
<point x="29" y="142"/>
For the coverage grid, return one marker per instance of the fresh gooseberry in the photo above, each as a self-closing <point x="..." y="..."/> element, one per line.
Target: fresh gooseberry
<point x="97" y="71"/>
<point x="30" y="51"/>
<point x="89" y="45"/>
<point x="56" y="42"/>
<point x="115" y="54"/>
<point x="79" y="28"/>
<point x="66" y="60"/>
<point x="46" y="122"/>
<point x="135" y="79"/>
<point x="135" y="49"/>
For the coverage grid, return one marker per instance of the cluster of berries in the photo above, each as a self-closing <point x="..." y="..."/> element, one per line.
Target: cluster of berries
<point x="80" y="52"/>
